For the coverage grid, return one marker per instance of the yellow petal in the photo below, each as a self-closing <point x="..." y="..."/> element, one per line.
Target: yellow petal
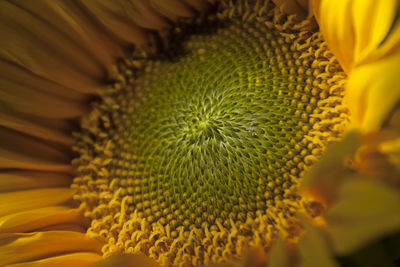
<point x="278" y="255"/>
<point x="117" y="16"/>
<point x="372" y="91"/>
<point x="172" y="9"/>
<point x="33" y="199"/>
<point x="72" y="227"/>
<point x="364" y="211"/>
<point x="113" y="18"/>
<point x="325" y="176"/>
<point x="22" y="180"/>
<point x="38" y="103"/>
<point x="45" y="51"/>
<point x="144" y="15"/>
<point x="313" y="248"/>
<point x="255" y="257"/>
<point x="44" y="37"/>
<point x="127" y="260"/>
<point x="17" y="248"/>
<point x="83" y="259"/>
<point x="12" y="72"/>
<point x="392" y="149"/>
<point x="72" y="20"/>
<point x="390" y="45"/>
<point x="337" y="29"/>
<point x="34" y="219"/>
<point x="372" y="23"/>
<point x="354" y="29"/>
<point x="43" y="128"/>
<point x="21" y="151"/>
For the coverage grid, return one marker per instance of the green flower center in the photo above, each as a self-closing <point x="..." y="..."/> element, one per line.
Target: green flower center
<point x="210" y="126"/>
<point x="208" y="138"/>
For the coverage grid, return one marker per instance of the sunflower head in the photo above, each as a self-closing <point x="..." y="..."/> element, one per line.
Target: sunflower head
<point x="201" y="145"/>
<point x="243" y="131"/>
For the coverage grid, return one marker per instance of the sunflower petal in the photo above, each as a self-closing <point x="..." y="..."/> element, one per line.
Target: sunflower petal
<point x="73" y="227"/>
<point x="325" y="176"/>
<point x="21" y="151"/>
<point x="172" y="9"/>
<point x="255" y="257"/>
<point x="45" y="51"/>
<point x="372" y="22"/>
<point x="13" y="72"/>
<point x="41" y="104"/>
<point x="33" y="199"/>
<point x="117" y="16"/>
<point x="392" y="149"/>
<point x="45" y="129"/>
<point x="315" y="9"/>
<point x="313" y="248"/>
<point x="356" y="28"/>
<point x="22" y="180"/>
<point x="17" y="248"/>
<point x="34" y="219"/>
<point x="372" y="92"/>
<point x="337" y="29"/>
<point x="365" y="210"/>
<point x="112" y="16"/>
<point x="391" y="44"/>
<point x="127" y="260"/>
<point x="70" y="19"/>
<point x="82" y="259"/>
<point x="278" y="255"/>
<point x="144" y="15"/>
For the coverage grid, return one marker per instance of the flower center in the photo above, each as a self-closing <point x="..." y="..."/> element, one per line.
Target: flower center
<point x="197" y="153"/>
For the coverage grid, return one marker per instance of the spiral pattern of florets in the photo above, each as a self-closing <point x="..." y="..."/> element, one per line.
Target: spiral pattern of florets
<point x="210" y="137"/>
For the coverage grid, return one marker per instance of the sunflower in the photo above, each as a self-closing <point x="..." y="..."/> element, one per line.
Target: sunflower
<point x="194" y="132"/>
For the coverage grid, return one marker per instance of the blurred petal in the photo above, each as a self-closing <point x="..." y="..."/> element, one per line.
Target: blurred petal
<point x="354" y="29"/>
<point x="45" y="51"/>
<point x="16" y="248"/>
<point x="69" y="18"/>
<point x="278" y="255"/>
<point x="325" y="176"/>
<point x="378" y="157"/>
<point x="34" y="219"/>
<point x="392" y="149"/>
<point x="39" y="104"/>
<point x="391" y="45"/>
<point x="46" y="129"/>
<point x="255" y="257"/>
<point x="127" y="260"/>
<point x="315" y="9"/>
<point x="21" y="151"/>
<point x="33" y="199"/>
<point x="119" y="16"/>
<point x="112" y="15"/>
<point x="12" y="72"/>
<point x="83" y="259"/>
<point x="172" y="9"/>
<point x="22" y="180"/>
<point x="313" y="248"/>
<point x="372" y="92"/>
<point x="364" y="211"/>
